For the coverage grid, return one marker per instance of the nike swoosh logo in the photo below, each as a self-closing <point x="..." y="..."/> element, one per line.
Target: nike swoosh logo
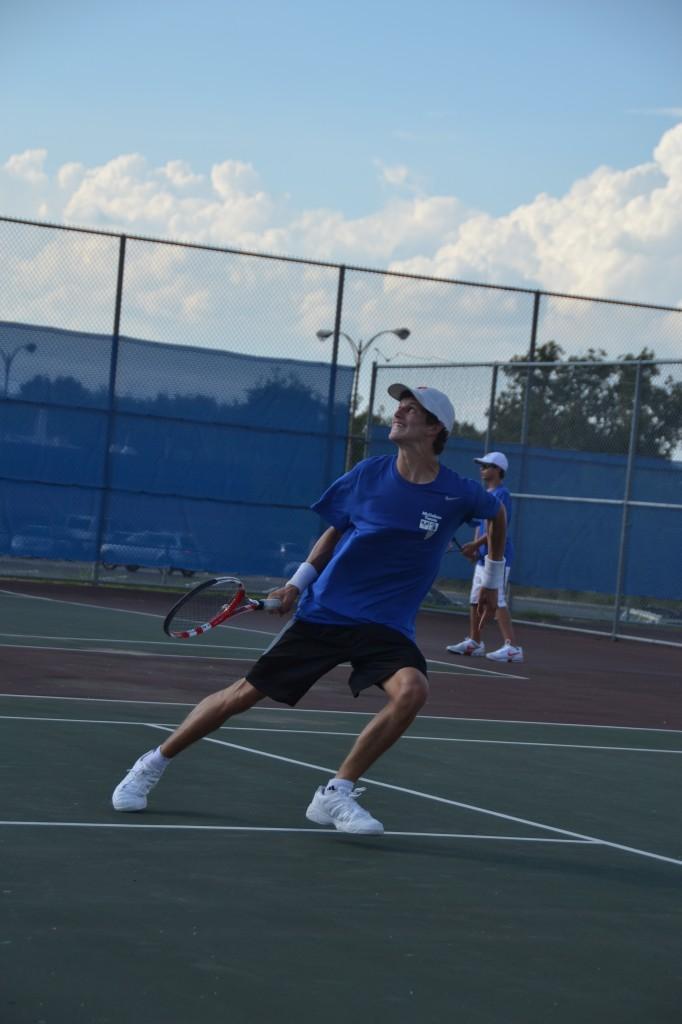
<point x="452" y="499"/>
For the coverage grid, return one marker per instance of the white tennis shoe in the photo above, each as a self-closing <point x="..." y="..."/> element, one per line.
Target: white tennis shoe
<point x="330" y="807"/>
<point x="131" y="792"/>
<point x="506" y="653"/>
<point x="472" y="648"/>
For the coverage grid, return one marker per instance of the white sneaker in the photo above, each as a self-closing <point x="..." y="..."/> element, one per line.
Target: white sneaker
<point x="329" y="807"/>
<point x="473" y="648"/>
<point x="131" y="793"/>
<point x="506" y="653"/>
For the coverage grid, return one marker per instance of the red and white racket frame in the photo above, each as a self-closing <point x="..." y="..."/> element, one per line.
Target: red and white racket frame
<point x="239" y="605"/>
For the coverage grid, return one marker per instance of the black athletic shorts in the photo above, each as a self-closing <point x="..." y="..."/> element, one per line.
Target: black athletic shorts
<point x="305" y="651"/>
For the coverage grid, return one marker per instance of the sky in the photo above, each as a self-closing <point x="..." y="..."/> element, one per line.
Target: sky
<point x="515" y="143"/>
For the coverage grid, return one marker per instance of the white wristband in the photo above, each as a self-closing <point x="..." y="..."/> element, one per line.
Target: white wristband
<point x="303" y="577"/>
<point x="493" y="574"/>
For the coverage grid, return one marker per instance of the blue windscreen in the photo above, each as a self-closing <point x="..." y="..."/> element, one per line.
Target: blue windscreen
<point x="164" y="453"/>
<point x="563" y="543"/>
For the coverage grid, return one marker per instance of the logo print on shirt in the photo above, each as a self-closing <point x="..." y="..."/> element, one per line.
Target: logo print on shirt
<point x="429" y="522"/>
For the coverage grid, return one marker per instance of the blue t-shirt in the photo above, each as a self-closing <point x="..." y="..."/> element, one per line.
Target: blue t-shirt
<point x="504" y="497"/>
<point x="394" y="536"/>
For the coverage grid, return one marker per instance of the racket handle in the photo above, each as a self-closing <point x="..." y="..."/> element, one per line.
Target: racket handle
<point x="270" y="602"/>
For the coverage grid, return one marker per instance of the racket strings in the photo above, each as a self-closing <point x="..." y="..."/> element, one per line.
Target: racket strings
<point x="205" y="606"/>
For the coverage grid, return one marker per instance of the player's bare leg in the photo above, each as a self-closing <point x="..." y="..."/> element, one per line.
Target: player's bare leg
<point x="504" y="621"/>
<point x="407" y="691"/>
<point x="474" y="623"/>
<point x="132" y="791"/>
<point x="471" y="644"/>
<point x="509" y="651"/>
<point x="336" y="803"/>
<point x="210" y="714"/>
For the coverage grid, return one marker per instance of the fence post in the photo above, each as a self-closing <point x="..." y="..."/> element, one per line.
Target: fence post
<point x="111" y="400"/>
<point x="491" y="409"/>
<point x="331" y="399"/>
<point x="370" y="410"/>
<point x="531" y="358"/>
<point x="632" y="452"/>
<point x="525" y="417"/>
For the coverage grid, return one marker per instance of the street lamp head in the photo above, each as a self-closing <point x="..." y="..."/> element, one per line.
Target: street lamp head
<point x="402" y="333"/>
<point x="8" y="359"/>
<point x="324" y="335"/>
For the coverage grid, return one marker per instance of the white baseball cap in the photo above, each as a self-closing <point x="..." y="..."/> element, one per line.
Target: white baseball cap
<point x="432" y="400"/>
<point x="494" y="459"/>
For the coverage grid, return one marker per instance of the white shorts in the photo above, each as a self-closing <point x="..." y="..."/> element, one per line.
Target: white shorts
<point x="478" y="580"/>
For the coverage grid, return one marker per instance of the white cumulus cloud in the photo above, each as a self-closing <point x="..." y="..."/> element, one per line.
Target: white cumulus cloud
<point x="616" y="233"/>
<point x="613" y="234"/>
<point x="69" y="175"/>
<point x="397" y="174"/>
<point x="180" y="174"/>
<point x="28" y="166"/>
<point x="234" y="178"/>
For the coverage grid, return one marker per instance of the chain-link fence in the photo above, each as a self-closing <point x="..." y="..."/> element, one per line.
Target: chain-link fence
<point x="597" y="491"/>
<point x="185" y="391"/>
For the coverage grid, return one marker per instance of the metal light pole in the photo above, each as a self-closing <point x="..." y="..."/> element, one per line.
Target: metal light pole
<point x="8" y="357"/>
<point x="360" y="349"/>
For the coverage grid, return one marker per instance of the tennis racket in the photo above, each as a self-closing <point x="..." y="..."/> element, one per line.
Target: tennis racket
<point x="209" y="604"/>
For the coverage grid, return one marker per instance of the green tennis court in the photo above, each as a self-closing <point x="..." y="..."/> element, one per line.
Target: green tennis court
<point x="530" y="870"/>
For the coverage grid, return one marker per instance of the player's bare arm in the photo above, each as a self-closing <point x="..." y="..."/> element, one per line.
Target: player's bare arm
<point x="319" y="556"/>
<point x="497" y="534"/>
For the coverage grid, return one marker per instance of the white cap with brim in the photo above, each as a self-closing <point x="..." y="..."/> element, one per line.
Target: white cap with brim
<point x="434" y="401"/>
<point x="494" y="459"/>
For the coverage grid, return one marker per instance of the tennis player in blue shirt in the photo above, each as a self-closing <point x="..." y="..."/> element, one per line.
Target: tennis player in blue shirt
<point x="493" y="467"/>
<point x="390" y="521"/>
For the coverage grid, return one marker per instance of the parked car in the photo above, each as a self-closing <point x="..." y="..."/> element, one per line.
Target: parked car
<point x="80" y="536"/>
<point x="35" y="541"/>
<point x="5" y="541"/>
<point x="172" y="551"/>
<point x="79" y="527"/>
<point x="646" y="616"/>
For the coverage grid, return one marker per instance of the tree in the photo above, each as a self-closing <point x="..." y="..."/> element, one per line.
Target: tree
<point x="589" y="408"/>
<point x="62" y="390"/>
<point x="285" y="400"/>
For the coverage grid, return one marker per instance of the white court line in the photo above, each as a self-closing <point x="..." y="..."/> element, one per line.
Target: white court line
<point x="429" y="796"/>
<point x="123" y="611"/>
<point x="438" y="739"/>
<point x="459" y="664"/>
<point x="242" y="629"/>
<point x="159" y="618"/>
<point x="309" y="831"/>
<point x="362" y="714"/>
<point x="284" y="731"/>
<point x="443" y="800"/>
<point x="86" y="721"/>
<point x="122" y="654"/>
<point x="454" y="669"/>
<point x="112" y="640"/>
<point x="80" y="604"/>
